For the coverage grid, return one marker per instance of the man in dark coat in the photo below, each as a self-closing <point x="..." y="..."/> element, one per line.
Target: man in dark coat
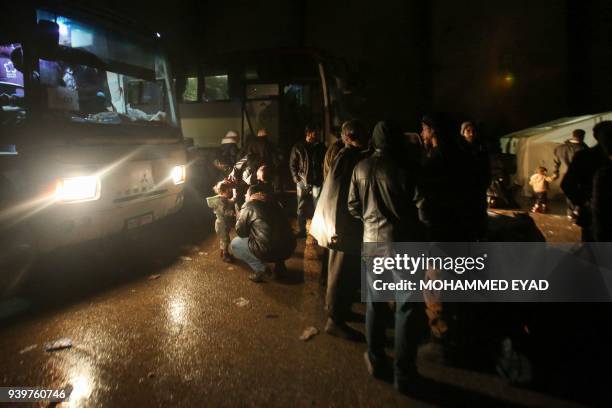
<point x="578" y="181"/>
<point x="306" y="165"/>
<point x="602" y="196"/>
<point x="477" y="180"/>
<point x="564" y="154"/>
<point x="382" y="195"/>
<point x="264" y="234"/>
<point x="334" y="228"/>
<point x="444" y="196"/>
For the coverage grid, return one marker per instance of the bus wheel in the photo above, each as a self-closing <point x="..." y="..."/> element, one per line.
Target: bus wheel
<point x="18" y="255"/>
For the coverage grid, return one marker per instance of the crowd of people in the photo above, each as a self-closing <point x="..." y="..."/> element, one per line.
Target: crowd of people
<point x="585" y="183"/>
<point x="382" y="186"/>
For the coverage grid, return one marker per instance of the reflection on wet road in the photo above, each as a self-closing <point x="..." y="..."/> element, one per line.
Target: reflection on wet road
<point x="183" y="338"/>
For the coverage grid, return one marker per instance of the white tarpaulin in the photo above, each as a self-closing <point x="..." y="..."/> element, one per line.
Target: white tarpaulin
<point x="535" y="146"/>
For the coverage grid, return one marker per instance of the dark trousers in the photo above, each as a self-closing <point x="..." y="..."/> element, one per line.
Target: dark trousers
<point x="541" y="198"/>
<point x="343" y="280"/>
<point x="410" y="330"/>
<point x="378" y="317"/>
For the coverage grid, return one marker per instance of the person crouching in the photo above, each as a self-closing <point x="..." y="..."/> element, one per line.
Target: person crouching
<point x="264" y="234"/>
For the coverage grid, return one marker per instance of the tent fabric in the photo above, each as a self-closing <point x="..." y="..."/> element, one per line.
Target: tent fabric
<point x="535" y="146"/>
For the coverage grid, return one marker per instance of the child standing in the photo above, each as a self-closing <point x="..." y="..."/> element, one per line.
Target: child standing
<point x="223" y="206"/>
<point x="539" y="182"/>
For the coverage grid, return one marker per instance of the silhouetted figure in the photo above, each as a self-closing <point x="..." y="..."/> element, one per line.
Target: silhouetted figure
<point x="478" y="178"/>
<point x="563" y="157"/>
<point x="602" y="195"/>
<point x="444" y="187"/>
<point x="578" y="181"/>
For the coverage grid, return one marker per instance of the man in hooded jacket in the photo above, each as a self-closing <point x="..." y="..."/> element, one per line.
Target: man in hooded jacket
<point x="382" y="196"/>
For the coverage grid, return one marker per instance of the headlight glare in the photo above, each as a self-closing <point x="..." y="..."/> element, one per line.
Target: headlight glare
<point x="78" y="189"/>
<point x="178" y="174"/>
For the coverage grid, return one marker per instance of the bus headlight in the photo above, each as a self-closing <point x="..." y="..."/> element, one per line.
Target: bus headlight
<point x="78" y="189"/>
<point x="178" y="174"/>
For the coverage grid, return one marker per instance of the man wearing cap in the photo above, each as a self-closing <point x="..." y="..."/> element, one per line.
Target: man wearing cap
<point x="306" y="165"/>
<point x="228" y="153"/>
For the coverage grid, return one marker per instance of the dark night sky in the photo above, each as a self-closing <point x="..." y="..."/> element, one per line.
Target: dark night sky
<point x="444" y="55"/>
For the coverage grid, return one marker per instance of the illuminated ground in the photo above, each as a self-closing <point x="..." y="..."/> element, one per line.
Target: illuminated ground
<point x="181" y="339"/>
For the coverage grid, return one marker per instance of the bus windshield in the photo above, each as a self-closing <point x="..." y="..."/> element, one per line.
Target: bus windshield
<point x="97" y="77"/>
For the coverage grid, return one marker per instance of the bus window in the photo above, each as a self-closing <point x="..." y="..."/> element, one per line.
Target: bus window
<point x="216" y="88"/>
<point x="191" y="90"/>
<point x="11" y="87"/>
<point x="261" y="91"/>
<point x="98" y="77"/>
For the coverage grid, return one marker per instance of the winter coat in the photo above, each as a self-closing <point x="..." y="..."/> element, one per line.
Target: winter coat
<point x="306" y="163"/>
<point x="263" y="221"/>
<point x="382" y="192"/>
<point x="601" y="204"/>
<point x="444" y="194"/>
<point x="332" y="225"/>
<point x="577" y="184"/>
<point x="330" y="156"/>
<point x="563" y="154"/>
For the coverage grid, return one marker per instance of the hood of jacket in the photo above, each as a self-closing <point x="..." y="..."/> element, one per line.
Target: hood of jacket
<point x="386" y="135"/>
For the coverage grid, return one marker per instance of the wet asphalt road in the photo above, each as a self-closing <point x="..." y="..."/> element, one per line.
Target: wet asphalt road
<point x="180" y="339"/>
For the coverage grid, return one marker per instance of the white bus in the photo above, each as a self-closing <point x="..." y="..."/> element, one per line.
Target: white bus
<point x="90" y="139"/>
<point x="281" y="90"/>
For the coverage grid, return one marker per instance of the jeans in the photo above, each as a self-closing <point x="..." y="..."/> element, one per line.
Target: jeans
<point x="410" y="329"/>
<point x="241" y="250"/>
<point x="304" y="191"/>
